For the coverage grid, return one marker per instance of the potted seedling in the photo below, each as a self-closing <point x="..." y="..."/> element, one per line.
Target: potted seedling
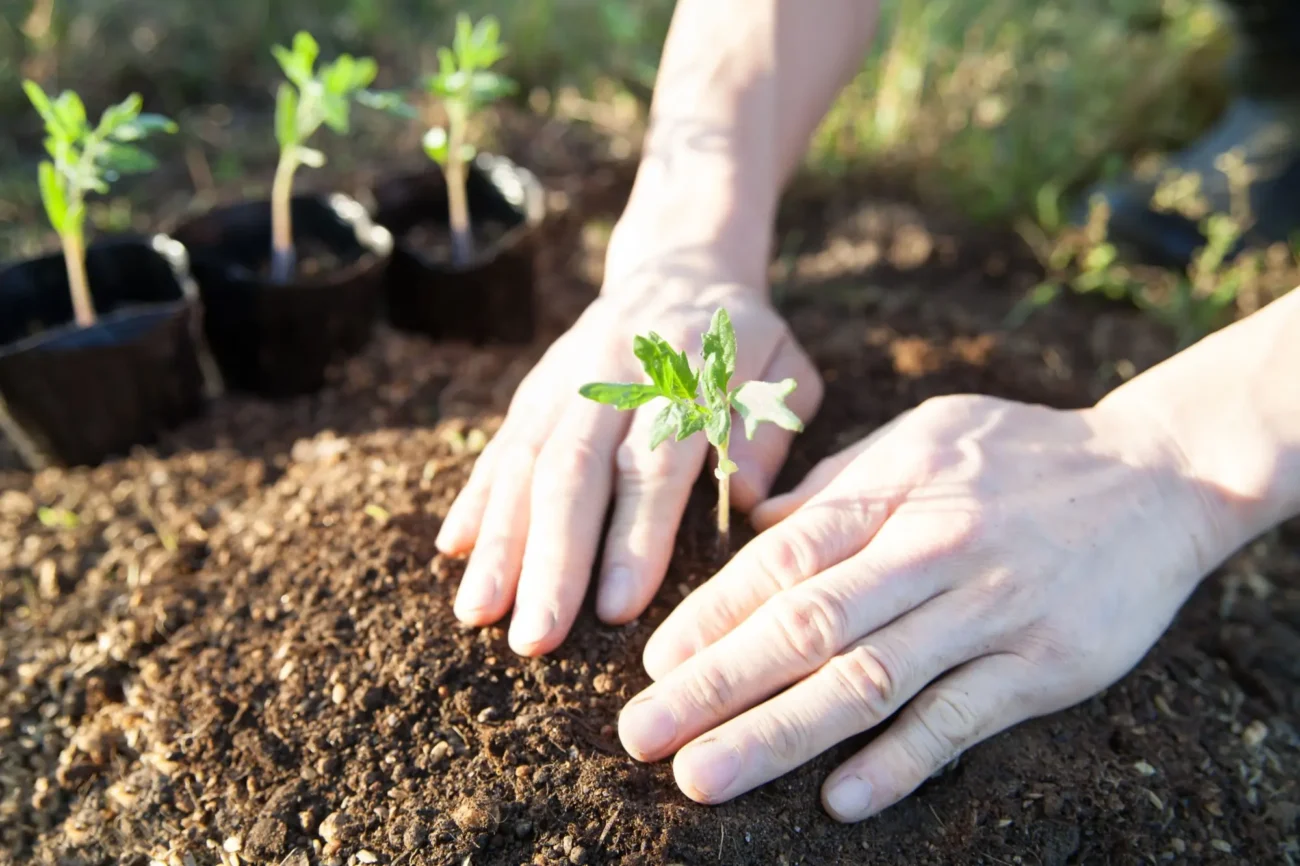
<point x="466" y="228"/>
<point x="100" y="347"/>
<point x="294" y="283"/>
<point x="693" y="401"/>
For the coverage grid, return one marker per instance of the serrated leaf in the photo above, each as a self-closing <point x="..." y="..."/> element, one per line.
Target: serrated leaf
<point x="387" y="101"/>
<point x="56" y="203"/>
<point x="717" y="426"/>
<point x="334" y="111"/>
<point x="128" y="159"/>
<point x="41" y="102"/>
<point x="650" y="352"/>
<point x="71" y="112"/>
<point x="621" y="396"/>
<point x="765" y="401"/>
<point x="286" y="115"/>
<point x="435" y="145"/>
<point x="310" y="157"/>
<point x="720" y="343"/>
<point x="691" y="420"/>
<point x="664" y="426"/>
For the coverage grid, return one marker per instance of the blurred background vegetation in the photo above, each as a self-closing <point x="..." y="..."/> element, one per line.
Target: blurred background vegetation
<point x="996" y="108"/>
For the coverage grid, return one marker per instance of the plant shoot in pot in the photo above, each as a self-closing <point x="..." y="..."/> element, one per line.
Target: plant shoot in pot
<point x="85" y="159"/>
<point x="312" y="97"/>
<point x="673" y="381"/>
<point x="465" y="83"/>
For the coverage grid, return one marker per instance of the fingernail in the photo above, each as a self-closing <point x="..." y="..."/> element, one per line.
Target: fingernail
<point x="710" y="767"/>
<point x="849" y="799"/>
<point x="647" y="728"/>
<point x="615" y="593"/>
<point x="530" y="627"/>
<point x="475" y="596"/>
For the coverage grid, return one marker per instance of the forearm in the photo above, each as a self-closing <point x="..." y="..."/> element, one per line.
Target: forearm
<point x="742" y="86"/>
<point x="1232" y="405"/>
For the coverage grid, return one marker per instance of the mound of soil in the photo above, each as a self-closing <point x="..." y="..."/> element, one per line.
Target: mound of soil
<point x="240" y="647"/>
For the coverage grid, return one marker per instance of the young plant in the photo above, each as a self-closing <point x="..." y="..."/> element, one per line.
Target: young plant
<point x="310" y="98"/>
<point x="86" y="159"/>
<point x="687" y="411"/>
<point x="465" y="83"/>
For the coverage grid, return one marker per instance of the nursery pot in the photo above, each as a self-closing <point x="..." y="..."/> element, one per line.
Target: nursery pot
<point x="490" y="300"/>
<point x="277" y="339"/>
<point x="72" y="395"/>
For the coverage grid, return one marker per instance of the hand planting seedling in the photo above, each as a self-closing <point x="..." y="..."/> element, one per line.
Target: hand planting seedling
<point x="465" y="83"/>
<point x="307" y="100"/>
<point x="84" y="160"/>
<point x="673" y="380"/>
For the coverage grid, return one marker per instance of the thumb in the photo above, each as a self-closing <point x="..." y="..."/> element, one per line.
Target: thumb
<point x="760" y="459"/>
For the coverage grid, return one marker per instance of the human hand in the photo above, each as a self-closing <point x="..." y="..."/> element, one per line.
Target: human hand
<point x="535" y="503"/>
<point x="975" y="563"/>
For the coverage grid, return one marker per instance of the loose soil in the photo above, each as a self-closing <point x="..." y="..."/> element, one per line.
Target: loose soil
<point x="244" y="647"/>
<point x="433" y="240"/>
<point x="313" y="258"/>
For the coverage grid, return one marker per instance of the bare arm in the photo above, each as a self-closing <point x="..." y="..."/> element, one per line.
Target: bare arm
<point x="742" y="86"/>
<point x="1232" y="403"/>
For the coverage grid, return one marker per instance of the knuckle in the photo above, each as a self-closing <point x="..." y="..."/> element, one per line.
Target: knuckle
<point x="710" y="688"/>
<point x="812" y="626"/>
<point x="637" y="464"/>
<point x="789" y="558"/>
<point x="949" y="724"/>
<point x="864" y="675"/>
<point x="563" y="465"/>
<point x="787" y="740"/>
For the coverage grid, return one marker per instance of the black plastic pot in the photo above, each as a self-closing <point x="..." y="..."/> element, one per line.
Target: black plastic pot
<point x="71" y="395"/>
<point x="493" y="300"/>
<point x="278" y="339"/>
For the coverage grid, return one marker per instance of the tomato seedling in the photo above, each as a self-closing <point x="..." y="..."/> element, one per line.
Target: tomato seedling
<point x="685" y="412"/>
<point x="309" y="99"/>
<point x="85" y="159"/>
<point x="465" y="83"/>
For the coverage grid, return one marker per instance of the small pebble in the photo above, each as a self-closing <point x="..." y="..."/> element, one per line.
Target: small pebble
<point x="364" y="856"/>
<point x="1255" y="734"/>
<point x="578" y="856"/>
<point x="339" y="693"/>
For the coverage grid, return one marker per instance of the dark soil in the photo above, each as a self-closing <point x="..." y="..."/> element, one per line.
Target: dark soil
<point x="433" y="240"/>
<point x="244" y="649"/>
<point x="314" y="258"/>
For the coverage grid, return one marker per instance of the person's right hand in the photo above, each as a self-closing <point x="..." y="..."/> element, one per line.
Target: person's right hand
<point x="536" y="501"/>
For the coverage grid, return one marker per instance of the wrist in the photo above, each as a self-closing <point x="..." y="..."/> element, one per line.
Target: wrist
<point x="1231" y="414"/>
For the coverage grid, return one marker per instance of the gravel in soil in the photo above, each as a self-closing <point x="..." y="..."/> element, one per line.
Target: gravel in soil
<point x="239" y="647"/>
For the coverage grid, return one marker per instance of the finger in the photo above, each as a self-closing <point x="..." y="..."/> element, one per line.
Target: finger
<point x="488" y="586"/>
<point x="837" y="522"/>
<point x="570" y="489"/>
<point x="973" y="703"/>
<point x="853" y="692"/>
<point x="787" y="639"/>
<point x="759" y="459"/>
<point x="776" y="509"/>
<point x="460" y="527"/>
<point x="651" y="490"/>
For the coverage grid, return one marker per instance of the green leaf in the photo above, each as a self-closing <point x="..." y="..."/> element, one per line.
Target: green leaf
<point x="71" y="112"/>
<point x="691" y="420"/>
<point x="720" y="343"/>
<point x="619" y="395"/>
<point x="116" y="116"/>
<point x="488" y="87"/>
<point x="41" y="102"/>
<point x="364" y="73"/>
<point x="286" y="115"/>
<point x="436" y="145"/>
<point x="387" y="101"/>
<point x="334" y="110"/>
<point x="56" y="203"/>
<point x="128" y="159"/>
<point x="463" y="43"/>
<point x="668" y="369"/>
<point x="717" y="426"/>
<point x="337" y="77"/>
<point x="664" y="425"/>
<point x="765" y="401"/>
<point x="143" y="126"/>
<point x="57" y="518"/>
<point x="306" y="50"/>
<point x="446" y="62"/>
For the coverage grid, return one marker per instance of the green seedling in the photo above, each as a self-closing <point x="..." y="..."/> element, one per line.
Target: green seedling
<point x="465" y="83"/>
<point x="309" y="99"/>
<point x="83" y="160"/>
<point x="685" y="411"/>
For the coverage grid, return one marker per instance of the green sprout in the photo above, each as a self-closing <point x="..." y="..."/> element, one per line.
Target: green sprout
<point x="465" y="83"/>
<point x="683" y="414"/>
<point x="310" y="98"/>
<point x="85" y="159"/>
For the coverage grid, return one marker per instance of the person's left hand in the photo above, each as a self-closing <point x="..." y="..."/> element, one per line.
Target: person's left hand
<point x="975" y="563"/>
